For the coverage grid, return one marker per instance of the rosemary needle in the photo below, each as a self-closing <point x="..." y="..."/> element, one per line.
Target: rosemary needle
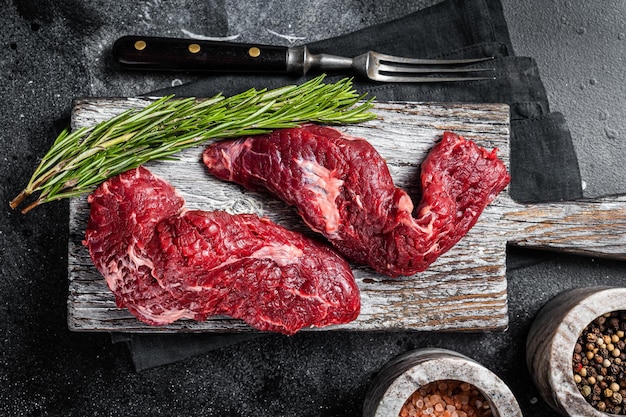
<point x="79" y="161"/>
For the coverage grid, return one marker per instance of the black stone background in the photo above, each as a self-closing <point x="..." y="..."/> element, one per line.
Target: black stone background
<point x="54" y="51"/>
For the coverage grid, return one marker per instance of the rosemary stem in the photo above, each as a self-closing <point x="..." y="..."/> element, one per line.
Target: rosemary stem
<point x="78" y="161"/>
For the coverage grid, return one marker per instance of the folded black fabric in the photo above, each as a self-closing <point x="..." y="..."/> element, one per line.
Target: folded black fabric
<point x="544" y="166"/>
<point x="150" y="350"/>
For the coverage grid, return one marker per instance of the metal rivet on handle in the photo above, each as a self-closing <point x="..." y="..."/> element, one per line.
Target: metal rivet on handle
<point x="254" y="52"/>
<point x="140" y="45"/>
<point x="194" y="48"/>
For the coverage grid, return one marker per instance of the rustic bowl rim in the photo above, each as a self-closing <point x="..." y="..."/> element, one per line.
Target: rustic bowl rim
<point x="568" y="330"/>
<point x="421" y="366"/>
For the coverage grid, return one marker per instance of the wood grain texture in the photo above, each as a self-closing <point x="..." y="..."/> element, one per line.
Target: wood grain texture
<point x="465" y="289"/>
<point x="594" y="227"/>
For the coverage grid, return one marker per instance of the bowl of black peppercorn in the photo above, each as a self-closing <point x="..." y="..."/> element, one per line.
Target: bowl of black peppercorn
<point x="576" y="352"/>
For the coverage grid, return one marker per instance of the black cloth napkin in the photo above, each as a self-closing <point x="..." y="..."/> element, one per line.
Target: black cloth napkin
<point x="544" y="166"/>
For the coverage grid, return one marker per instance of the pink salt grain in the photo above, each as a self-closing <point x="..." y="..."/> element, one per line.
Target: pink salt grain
<point x="447" y="398"/>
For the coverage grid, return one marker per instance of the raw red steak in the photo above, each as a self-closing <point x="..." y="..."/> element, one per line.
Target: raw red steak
<point x="342" y="188"/>
<point x="164" y="263"/>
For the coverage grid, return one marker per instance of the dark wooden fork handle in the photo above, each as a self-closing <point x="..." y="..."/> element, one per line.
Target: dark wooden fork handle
<point x="173" y="54"/>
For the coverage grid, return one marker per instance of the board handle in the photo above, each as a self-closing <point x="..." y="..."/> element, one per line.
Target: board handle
<point x="174" y="54"/>
<point x="594" y="227"/>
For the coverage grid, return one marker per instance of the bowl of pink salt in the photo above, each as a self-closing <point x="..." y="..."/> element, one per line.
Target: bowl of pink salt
<point x="438" y="383"/>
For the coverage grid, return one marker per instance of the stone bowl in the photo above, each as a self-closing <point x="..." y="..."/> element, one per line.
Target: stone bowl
<point x="552" y="338"/>
<point x="403" y="375"/>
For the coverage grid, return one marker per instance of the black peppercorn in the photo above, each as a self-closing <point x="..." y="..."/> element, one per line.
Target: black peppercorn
<point x="599" y="363"/>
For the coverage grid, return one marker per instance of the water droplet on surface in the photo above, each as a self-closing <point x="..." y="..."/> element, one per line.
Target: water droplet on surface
<point x="176" y="82"/>
<point x="611" y="133"/>
<point x="621" y="36"/>
<point x="581" y="31"/>
<point x="593" y="81"/>
<point x="583" y="185"/>
<point x="604" y="115"/>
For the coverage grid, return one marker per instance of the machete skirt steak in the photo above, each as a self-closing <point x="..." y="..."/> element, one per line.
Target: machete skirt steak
<point x="163" y="262"/>
<point x="342" y="188"/>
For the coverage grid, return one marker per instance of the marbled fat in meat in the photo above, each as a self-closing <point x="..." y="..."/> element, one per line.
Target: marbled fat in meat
<point x="164" y="263"/>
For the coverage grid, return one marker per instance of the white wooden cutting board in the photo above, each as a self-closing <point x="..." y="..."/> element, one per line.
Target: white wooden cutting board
<point x="465" y="289"/>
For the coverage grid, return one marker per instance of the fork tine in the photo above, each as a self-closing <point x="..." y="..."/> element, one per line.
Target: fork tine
<point x="421" y="61"/>
<point x="428" y="69"/>
<point x="421" y="79"/>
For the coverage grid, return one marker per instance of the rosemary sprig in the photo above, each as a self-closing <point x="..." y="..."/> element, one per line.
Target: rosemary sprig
<point x="80" y="160"/>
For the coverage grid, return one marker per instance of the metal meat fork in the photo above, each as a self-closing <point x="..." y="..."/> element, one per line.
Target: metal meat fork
<point x="389" y="68"/>
<point x="156" y="53"/>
